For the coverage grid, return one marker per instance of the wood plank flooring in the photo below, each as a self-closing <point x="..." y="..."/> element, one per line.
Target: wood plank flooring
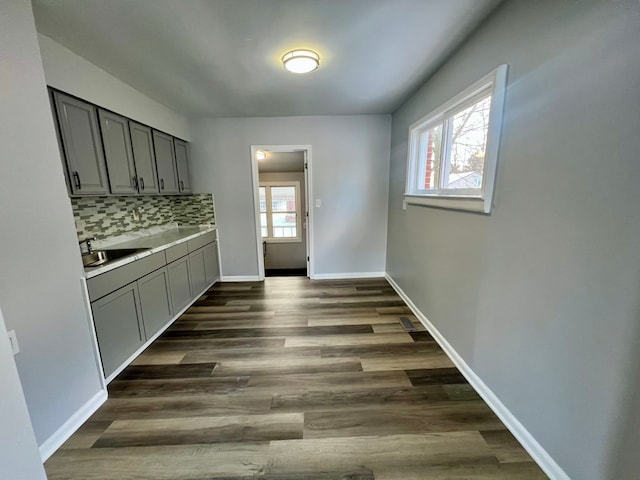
<point x="292" y="379"/>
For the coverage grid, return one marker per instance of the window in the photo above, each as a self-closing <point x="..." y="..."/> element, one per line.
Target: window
<point x="453" y="151"/>
<point x="280" y="211"/>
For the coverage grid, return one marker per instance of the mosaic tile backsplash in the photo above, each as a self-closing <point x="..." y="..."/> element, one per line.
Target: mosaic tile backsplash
<point x="104" y="217"/>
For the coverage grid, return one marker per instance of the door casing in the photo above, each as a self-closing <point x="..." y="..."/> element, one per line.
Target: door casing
<point x="306" y="149"/>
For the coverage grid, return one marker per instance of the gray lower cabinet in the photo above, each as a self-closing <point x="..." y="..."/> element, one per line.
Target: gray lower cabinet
<point x="154" y="300"/>
<point x="211" y="268"/>
<point x="133" y="302"/>
<point x="197" y="271"/>
<point x="81" y="144"/>
<point x="182" y="164"/>
<point x="179" y="283"/>
<point x="145" y="159"/>
<point x="119" y="326"/>
<point x="118" y="154"/>
<point x="165" y="161"/>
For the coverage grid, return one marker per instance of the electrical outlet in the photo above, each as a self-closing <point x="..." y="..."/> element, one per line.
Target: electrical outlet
<point x="318" y="203"/>
<point x="13" y="340"/>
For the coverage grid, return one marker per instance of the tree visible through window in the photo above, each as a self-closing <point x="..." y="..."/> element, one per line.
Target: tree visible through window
<point x="280" y="211"/>
<point x="453" y="150"/>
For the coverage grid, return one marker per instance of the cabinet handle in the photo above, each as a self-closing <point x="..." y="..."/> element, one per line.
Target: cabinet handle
<point x="135" y="183"/>
<point x="76" y="177"/>
<point x="181" y="185"/>
<point x="141" y="183"/>
<point x="162" y="184"/>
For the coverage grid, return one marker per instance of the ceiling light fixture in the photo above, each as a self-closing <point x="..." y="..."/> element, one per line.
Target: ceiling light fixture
<point x="301" y="61"/>
<point x="260" y="155"/>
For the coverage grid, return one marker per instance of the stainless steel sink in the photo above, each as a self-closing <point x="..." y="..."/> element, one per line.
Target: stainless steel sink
<point x="97" y="258"/>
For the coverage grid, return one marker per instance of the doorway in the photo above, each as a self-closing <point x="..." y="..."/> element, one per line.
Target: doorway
<point x="281" y="190"/>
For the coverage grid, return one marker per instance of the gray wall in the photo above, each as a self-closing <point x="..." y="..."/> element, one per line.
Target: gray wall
<point x="19" y="457"/>
<point x="541" y="298"/>
<point x="290" y="254"/>
<point x="350" y="171"/>
<point x="76" y="75"/>
<point x="40" y="295"/>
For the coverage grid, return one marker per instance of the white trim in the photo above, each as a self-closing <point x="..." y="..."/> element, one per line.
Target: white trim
<point x="68" y="428"/>
<point x="146" y="344"/>
<point x="241" y="278"/>
<point x="92" y="328"/>
<point x="339" y="276"/>
<point x="531" y="445"/>
<point x="494" y="84"/>
<point x="469" y="204"/>
<point x="256" y="202"/>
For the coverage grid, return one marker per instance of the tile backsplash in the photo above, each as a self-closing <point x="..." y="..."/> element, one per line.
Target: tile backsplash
<point x="104" y="217"/>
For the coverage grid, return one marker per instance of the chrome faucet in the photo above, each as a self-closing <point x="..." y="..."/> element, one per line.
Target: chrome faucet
<point x="87" y="241"/>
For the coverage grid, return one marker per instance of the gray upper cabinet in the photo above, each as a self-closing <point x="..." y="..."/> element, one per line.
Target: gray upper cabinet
<point x="81" y="144"/>
<point x="165" y="160"/>
<point x="145" y="159"/>
<point x="182" y="164"/>
<point x="118" y="153"/>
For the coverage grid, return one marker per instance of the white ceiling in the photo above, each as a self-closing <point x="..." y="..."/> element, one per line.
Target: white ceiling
<point x="282" y="162"/>
<point x="221" y="58"/>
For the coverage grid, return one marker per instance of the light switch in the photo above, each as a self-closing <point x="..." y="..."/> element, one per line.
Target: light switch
<point x="318" y="203"/>
<point x="13" y="339"/>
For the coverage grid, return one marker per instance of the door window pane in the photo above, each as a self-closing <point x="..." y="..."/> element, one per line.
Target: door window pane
<point x="263" y="225"/>
<point x="283" y="199"/>
<point x="284" y="225"/>
<point x="263" y="200"/>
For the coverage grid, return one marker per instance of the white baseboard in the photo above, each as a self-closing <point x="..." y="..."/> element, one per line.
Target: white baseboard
<point x="531" y="445"/>
<point x="69" y="427"/>
<point x="340" y="276"/>
<point x="240" y="278"/>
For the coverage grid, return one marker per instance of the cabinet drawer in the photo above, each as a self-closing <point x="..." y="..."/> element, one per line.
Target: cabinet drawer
<point x="201" y="241"/>
<point x="176" y="252"/>
<point x="108" y="282"/>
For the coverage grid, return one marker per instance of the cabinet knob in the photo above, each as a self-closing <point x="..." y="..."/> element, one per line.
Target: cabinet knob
<point x="162" y="184"/>
<point x="141" y="183"/>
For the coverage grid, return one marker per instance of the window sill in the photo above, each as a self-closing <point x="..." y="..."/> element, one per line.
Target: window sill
<point x="450" y="202"/>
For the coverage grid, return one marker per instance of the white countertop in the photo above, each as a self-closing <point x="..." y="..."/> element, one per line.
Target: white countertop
<point x="154" y="243"/>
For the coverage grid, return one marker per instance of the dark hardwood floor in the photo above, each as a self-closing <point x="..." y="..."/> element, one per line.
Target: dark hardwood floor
<point x="293" y="379"/>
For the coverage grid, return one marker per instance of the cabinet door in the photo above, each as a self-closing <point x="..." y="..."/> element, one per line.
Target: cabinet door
<point x="182" y="164"/>
<point x="82" y="146"/>
<point x="179" y="283"/>
<point x="211" y="262"/>
<point x="196" y="266"/>
<point x="145" y="159"/>
<point x="166" y="162"/>
<point x="154" y="300"/>
<point x="119" y="328"/>
<point x="118" y="154"/>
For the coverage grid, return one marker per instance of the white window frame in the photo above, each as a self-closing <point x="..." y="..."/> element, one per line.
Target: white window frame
<point x="474" y="200"/>
<point x="269" y="212"/>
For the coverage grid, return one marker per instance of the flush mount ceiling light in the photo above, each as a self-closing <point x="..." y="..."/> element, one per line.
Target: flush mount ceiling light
<point x="260" y="155"/>
<point x="301" y="61"/>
